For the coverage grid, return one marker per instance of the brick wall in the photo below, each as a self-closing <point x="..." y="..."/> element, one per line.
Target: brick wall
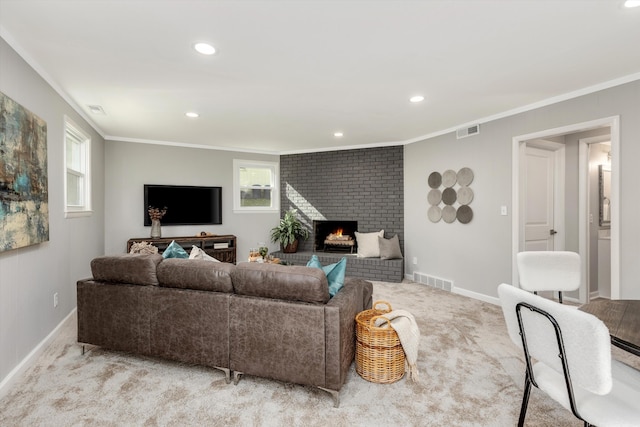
<point x="364" y="185"/>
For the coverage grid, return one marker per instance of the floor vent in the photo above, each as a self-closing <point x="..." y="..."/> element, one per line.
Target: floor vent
<point x="434" y="282"/>
<point x="467" y="131"/>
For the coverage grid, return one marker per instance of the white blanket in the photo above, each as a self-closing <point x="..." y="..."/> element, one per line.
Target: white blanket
<point x="407" y="329"/>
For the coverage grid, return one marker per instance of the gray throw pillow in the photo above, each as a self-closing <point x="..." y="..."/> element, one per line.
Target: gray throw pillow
<point x="390" y="248"/>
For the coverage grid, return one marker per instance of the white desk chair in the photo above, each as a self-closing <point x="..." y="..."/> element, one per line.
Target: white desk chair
<point x="574" y="366"/>
<point x="549" y="271"/>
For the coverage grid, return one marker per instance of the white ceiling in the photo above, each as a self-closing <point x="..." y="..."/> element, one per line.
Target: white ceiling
<point x="288" y="74"/>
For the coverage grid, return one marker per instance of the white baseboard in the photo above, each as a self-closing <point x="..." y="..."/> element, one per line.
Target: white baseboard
<point x="449" y="286"/>
<point x="475" y="295"/>
<point x="27" y="362"/>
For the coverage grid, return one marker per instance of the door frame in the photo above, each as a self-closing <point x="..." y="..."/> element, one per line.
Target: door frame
<point x="518" y="143"/>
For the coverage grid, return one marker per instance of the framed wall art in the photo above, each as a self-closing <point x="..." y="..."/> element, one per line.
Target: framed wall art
<point x="24" y="195"/>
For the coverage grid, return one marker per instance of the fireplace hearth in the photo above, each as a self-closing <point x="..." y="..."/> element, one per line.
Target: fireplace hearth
<point x="335" y="236"/>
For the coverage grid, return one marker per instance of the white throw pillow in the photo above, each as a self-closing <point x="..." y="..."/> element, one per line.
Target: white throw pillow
<point x="197" y="253"/>
<point x="368" y="246"/>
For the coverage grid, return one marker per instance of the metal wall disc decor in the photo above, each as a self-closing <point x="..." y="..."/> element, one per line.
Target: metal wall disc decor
<point x="449" y="178"/>
<point x="465" y="195"/>
<point x="465" y="177"/>
<point x="434" y="213"/>
<point x="435" y="180"/>
<point x="449" y="214"/>
<point x="434" y="197"/>
<point x="456" y="201"/>
<point x="464" y="214"/>
<point x="449" y="196"/>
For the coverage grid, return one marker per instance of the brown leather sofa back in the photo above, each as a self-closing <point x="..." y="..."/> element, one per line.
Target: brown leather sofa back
<point x="271" y="321"/>
<point x="195" y="274"/>
<point x="289" y="283"/>
<point x="135" y="269"/>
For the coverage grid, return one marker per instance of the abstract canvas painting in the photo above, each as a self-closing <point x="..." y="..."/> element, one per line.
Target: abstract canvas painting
<point x="24" y="196"/>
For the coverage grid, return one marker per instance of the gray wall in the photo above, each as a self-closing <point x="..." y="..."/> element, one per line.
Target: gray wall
<point x="30" y="276"/>
<point x="131" y="165"/>
<point x="477" y="256"/>
<point x="361" y="185"/>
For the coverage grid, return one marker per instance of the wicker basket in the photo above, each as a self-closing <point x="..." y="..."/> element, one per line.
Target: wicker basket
<point x="379" y="354"/>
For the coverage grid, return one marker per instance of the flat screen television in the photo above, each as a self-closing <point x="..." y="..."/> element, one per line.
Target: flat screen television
<point x="186" y="205"/>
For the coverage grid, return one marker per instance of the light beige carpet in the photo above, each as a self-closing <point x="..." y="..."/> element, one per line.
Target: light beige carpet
<point x="470" y="375"/>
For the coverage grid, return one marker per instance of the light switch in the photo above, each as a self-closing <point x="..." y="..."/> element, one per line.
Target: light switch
<point x="503" y="210"/>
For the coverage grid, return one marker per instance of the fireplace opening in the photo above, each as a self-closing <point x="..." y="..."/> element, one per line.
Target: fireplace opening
<point x="335" y="236"/>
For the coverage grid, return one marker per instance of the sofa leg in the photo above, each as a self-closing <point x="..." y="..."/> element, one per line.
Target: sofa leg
<point x="335" y="394"/>
<point x="236" y="377"/>
<point x="227" y="373"/>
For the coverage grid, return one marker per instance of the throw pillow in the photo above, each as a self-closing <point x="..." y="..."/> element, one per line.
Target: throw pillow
<point x="334" y="272"/>
<point x="174" y="250"/>
<point x="143" y="248"/>
<point x="368" y="246"/>
<point x="197" y="253"/>
<point x="390" y="248"/>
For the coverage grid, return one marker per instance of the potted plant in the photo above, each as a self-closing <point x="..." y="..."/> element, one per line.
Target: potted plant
<point x="288" y="232"/>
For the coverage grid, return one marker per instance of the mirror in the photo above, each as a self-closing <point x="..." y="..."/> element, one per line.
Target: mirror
<point x="604" y="175"/>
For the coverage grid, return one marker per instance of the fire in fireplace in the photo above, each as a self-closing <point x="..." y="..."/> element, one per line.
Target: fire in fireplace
<point x="335" y="236"/>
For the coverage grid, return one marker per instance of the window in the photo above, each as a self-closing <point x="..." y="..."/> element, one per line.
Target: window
<point x="255" y="186"/>
<point x="77" y="146"/>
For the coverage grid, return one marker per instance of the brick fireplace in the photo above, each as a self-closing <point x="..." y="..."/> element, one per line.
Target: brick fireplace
<point x="364" y="186"/>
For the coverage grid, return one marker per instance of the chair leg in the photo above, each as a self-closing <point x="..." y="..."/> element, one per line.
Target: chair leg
<point x="560" y="296"/>
<point x="525" y="400"/>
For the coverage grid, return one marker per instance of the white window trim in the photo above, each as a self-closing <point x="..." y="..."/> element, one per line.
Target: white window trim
<point x="86" y="209"/>
<point x="275" y="187"/>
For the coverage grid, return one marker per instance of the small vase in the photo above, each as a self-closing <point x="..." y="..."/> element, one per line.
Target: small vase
<point x="156" y="229"/>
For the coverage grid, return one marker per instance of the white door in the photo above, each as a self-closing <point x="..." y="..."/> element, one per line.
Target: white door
<point x="539" y="178"/>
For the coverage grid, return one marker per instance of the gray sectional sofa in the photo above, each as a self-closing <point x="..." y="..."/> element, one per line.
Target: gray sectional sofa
<point x="271" y="321"/>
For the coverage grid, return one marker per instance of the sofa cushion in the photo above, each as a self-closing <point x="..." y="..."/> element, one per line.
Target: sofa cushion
<point x="292" y="283"/>
<point x="196" y="274"/>
<point x="135" y="269"/>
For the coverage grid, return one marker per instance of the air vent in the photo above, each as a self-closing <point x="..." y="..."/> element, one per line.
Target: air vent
<point x="468" y="131"/>
<point x="434" y="282"/>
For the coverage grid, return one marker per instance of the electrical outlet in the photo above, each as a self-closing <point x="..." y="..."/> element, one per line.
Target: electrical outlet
<point x="55" y="300"/>
<point x="415" y="260"/>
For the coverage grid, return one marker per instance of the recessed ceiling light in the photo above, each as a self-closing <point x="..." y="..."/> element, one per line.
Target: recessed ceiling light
<point x="204" y="48"/>
<point x="416" y="98"/>
<point x="338" y="134"/>
<point x="632" y="3"/>
<point x="96" y="109"/>
<point x="192" y="114"/>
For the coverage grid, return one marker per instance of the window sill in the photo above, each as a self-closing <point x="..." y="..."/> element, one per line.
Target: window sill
<point x="255" y="210"/>
<point x="77" y="214"/>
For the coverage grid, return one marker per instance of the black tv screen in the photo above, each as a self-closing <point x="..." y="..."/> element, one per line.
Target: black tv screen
<point x="186" y="205"/>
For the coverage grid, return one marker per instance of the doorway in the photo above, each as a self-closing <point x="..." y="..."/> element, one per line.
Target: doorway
<point x="577" y="207"/>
